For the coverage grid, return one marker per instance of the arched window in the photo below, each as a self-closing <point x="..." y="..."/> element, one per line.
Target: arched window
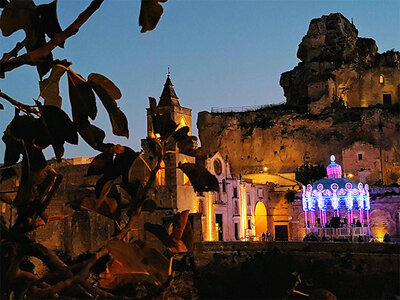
<point x="160" y="176"/>
<point x="186" y="180"/>
<point x="381" y="79"/>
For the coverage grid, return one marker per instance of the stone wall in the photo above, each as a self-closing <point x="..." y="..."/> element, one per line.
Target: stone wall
<point x="283" y="140"/>
<point x="263" y="270"/>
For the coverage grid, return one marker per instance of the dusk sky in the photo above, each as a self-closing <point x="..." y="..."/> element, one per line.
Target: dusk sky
<point x="221" y="53"/>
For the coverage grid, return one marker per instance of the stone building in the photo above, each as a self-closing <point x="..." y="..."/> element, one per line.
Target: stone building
<point x="343" y="95"/>
<point x="337" y="65"/>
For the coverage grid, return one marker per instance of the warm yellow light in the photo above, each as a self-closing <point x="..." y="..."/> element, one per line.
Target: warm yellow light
<point x="158" y="135"/>
<point x="209" y="200"/>
<point x="265" y="169"/>
<point x="160" y="175"/>
<point x="243" y="212"/>
<point x="350" y="175"/>
<point x="381" y="79"/>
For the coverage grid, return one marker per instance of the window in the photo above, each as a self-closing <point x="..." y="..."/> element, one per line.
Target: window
<point x="236" y="209"/>
<point x="235" y="194"/>
<point x="387" y="99"/>
<point x="236" y="231"/>
<point x="223" y="186"/>
<point x="217" y="167"/>
<point x="248" y="199"/>
<point x="260" y="193"/>
<point x="248" y="224"/>
<point x="359" y="156"/>
<point x="381" y="79"/>
<point x="160" y="176"/>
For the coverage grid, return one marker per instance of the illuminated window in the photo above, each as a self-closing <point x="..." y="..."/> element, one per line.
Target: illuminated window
<point x="3" y="208"/>
<point x="186" y="180"/>
<point x="160" y="176"/>
<point x="381" y="79"/>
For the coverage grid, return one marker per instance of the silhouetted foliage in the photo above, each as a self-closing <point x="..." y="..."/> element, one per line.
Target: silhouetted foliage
<point x="36" y="127"/>
<point x="307" y="173"/>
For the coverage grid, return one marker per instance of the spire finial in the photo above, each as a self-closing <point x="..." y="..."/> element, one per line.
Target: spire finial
<point x="168" y="72"/>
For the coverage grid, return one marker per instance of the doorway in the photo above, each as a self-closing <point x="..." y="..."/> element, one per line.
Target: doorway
<point x="218" y="221"/>
<point x="281" y="233"/>
<point x="260" y="219"/>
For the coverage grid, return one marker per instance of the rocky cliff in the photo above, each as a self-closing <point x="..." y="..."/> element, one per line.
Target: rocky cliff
<point x="283" y="139"/>
<point x="342" y="91"/>
<point x="333" y="61"/>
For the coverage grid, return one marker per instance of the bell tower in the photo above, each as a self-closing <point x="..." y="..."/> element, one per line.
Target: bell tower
<point x="173" y="189"/>
<point x="169" y="104"/>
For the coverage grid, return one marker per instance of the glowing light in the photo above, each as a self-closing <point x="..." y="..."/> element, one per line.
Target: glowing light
<point x="243" y="212"/>
<point x="350" y="175"/>
<point x="210" y="215"/>
<point x="381" y="79"/>
<point x="158" y="136"/>
<point x="265" y="169"/>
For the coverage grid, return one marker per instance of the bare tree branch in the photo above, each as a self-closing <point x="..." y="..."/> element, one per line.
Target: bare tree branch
<point x="26" y="108"/>
<point x="34" y="56"/>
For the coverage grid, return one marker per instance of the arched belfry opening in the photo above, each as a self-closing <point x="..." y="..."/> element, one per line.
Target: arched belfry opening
<point x="260" y="219"/>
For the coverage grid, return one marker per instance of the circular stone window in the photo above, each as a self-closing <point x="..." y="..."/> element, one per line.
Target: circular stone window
<point x="217" y="167"/>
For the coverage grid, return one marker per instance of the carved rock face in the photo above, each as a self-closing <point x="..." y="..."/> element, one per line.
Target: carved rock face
<point x="331" y="48"/>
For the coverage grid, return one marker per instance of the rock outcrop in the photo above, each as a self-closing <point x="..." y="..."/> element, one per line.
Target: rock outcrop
<point x="283" y="140"/>
<point x="337" y="65"/>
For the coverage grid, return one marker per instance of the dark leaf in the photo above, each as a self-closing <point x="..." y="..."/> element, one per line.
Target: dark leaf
<point x="40" y="222"/>
<point x="108" y="206"/>
<point x="153" y="146"/>
<point x="57" y="129"/>
<point x="187" y="145"/>
<point x="187" y="237"/>
<point x="24" y="15"/>
<point x="131" y="263"/>
<point x="103" y="186"/>
<point x="150" y="13"/>
<point x="163" y="125"/>
<point x="49" y="87"/>
<point x="149" y="205"/>
<point x="17" y="15"/>
<point x="47" y="13"/>
<point x="201" y="179"/>
<point x="3" y="3"/>
<point x="83" y="100"/>
<point x="94" y="137"/>
<point x="7" y="174"/>
<point x="135" y="190"/>
<point x="179" y="222"/>
<point x="23" y="127"/>
<point x="100" y="164"/>
<point x="160" y="232"/>
<point x="36" y="158"/>
<point x="25" y="188"/>
<point x="59" y="125"/>
<point x="108" y="92"/>
<point x="181" y="133"/>
<point x="123" y="162"/>
<point x="13" y="150"/>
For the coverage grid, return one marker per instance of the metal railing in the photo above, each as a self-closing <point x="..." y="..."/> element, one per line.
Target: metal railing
<point x="243" y="108"/>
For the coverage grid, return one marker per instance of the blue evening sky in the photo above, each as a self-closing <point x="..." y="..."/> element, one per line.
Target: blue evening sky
<point x="222" y="53"/>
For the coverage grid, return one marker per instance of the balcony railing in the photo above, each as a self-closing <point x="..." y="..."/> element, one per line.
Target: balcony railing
<point x="349" y="233"/>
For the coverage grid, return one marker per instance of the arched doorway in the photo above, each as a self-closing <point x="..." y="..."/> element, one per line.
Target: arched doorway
<point x="260" y="219"/>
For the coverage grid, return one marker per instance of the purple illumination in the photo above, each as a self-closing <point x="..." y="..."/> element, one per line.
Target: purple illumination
<point x="333" y="193"/>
